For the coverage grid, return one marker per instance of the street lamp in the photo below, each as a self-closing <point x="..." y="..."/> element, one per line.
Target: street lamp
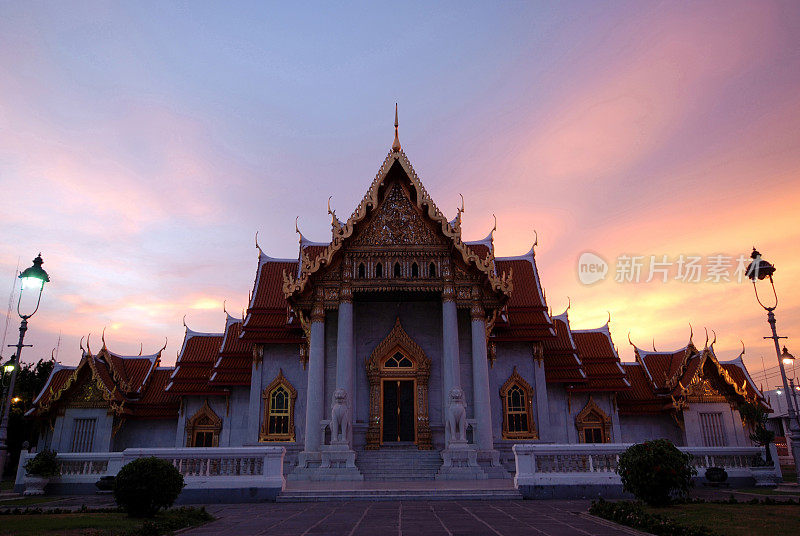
<point x="32" y="282"/>
<point x="758" y="270"/>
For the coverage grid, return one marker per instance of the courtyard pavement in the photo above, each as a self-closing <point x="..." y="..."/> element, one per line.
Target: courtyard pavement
<point x="390" y="518"/>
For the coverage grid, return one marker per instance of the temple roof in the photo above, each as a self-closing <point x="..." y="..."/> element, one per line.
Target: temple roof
<point x="233" y="366"/>
<point x="664" y="381"/>
<point x="600" y="361"/>
<point x="312" y="260"/>
<point x="131" y="386"/>
<point x="198" y="354"/>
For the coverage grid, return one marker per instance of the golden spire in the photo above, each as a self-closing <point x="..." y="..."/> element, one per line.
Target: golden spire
<point x="396" y="144"/>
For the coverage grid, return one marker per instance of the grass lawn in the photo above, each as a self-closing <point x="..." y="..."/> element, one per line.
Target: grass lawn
<point x="26" y="501"/>
<point x="72" y="524"/>
<point x="737" y="519"/>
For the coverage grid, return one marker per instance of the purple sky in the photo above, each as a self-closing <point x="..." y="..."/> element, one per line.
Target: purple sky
<point x="142" y="145"/>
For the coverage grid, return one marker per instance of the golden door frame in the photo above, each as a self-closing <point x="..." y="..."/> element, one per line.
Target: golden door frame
<point x="398" y="341"/>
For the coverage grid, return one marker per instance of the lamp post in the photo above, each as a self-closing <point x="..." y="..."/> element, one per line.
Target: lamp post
<point x="758" y="270"/>
<point x="32" y="282"/>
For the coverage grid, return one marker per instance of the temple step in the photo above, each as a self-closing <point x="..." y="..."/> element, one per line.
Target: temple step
<point x="396" y="463"/>
<point x="400" y="495"/>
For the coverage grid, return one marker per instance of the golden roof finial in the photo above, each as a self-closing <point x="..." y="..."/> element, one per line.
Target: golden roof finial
<point x="396" y="144"/>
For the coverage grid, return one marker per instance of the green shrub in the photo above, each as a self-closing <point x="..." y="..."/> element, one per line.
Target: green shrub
<point x="656" y="472"/>
<point x="43" y="464"/>
<point x="632" y="514"/>
<point x="146" y="485"/>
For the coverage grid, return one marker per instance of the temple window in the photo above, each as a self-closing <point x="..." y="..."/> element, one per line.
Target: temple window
<point x="415" y="270"/>
<point x="203" y="428"/>
<point x="83" y="435"/>
<point x="593" y="424"/>
<point x="397" y="270"/>
<point x="398" y="360"/>
<point x="279" y="398"/>
<point x="379" y="270"/>
<point x="432" y="270"/>
<point x="517" y="399"/>
<point x="712" y="429"/>
<point x="361" y="271"/>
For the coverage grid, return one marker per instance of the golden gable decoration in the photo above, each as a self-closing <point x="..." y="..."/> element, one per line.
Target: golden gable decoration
<point x="295" y="285"/>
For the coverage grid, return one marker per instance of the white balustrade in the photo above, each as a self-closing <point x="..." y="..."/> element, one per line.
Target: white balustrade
<point x="201" y="467"/>
<point x="596" y="464"/>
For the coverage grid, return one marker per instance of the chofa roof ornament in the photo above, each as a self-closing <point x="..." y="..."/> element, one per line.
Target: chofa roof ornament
<point x="396" y="143"/>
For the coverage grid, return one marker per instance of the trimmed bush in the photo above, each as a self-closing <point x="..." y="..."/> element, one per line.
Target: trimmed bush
<point x="43" y="464"/>
<point x="146" y="485"/>
<point x="656" y="472"/>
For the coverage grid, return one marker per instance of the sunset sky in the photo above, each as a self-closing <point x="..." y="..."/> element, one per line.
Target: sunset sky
<point x="143" y="145"/>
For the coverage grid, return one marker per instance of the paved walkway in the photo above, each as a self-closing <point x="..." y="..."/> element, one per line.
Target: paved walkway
<point x="390" y="518"/>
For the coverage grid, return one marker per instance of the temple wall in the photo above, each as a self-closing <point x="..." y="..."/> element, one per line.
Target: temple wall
<point x="64" y="427"/>
<point x="510" y="355"/>
<point x="734" y="432"/>
<point x="423" y="322"/>
<point x="236" y="433"/>
<point x="193" y="404"/>
<point x="562" y="428"/>
<point x="145" y="433"/>
<point x="577" y="402"/>
<point x="276" y="358"/>
<point x="639" y="428"/>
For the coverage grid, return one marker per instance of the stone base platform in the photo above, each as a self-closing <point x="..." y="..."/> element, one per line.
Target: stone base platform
<point x="415" y="490"/>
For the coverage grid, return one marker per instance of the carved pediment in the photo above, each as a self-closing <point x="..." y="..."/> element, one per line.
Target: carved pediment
<point x="704" y="390"/>
<point x="86" y="395"/>
<point x="397" y="222"/>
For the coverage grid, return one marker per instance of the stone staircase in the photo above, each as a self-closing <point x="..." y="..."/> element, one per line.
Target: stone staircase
<point x="398" y="463"/>
<point x="399" y="494"/>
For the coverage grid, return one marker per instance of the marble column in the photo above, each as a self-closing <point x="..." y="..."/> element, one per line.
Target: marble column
<point x="344" y="351"/>
<point x="543" y="425"/>
<point x="451" y="372"/>
<point x="480" y="380"/>
<point x="315" y="392"/>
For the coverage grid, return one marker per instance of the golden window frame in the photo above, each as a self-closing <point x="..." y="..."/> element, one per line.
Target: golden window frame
<point x="515" y="380"/>
<point x="584" y="420"/>
<point x="204" y="420"/>
<point x="279" y="381"/>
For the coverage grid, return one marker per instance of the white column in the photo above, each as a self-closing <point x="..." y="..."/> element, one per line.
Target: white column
<point x="315" y="391"/>
<point x="254" y="409"/>
<point x="450" y="366"/>
<point x="540" y="391"/>
<point x="344" y="355"/>
<point x="480" y="380"/>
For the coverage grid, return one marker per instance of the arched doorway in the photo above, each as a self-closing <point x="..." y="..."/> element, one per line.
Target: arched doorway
<point x="398" y="372"/>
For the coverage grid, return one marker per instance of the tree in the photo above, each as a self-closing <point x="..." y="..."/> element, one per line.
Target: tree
<point x="755" y="416"/>
<point x="31" y="378"/>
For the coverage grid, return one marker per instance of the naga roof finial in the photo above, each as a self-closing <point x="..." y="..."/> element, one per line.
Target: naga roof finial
<point x="141" y="348"/>
<point x="103" y="337"/>
<point x="396" y="143"/>
<point x="257" y="246"/>
<point x="536" y="243"/>
<point x="609" y="318"/>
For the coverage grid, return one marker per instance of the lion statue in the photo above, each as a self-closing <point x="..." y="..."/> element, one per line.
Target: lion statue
<point x="457" y="416"/>
<point x="340" y="416"/>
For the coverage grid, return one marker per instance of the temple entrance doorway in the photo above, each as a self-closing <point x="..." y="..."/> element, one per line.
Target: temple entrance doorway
<point x="398" y="411"/>
<point x="398" y="372"/>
